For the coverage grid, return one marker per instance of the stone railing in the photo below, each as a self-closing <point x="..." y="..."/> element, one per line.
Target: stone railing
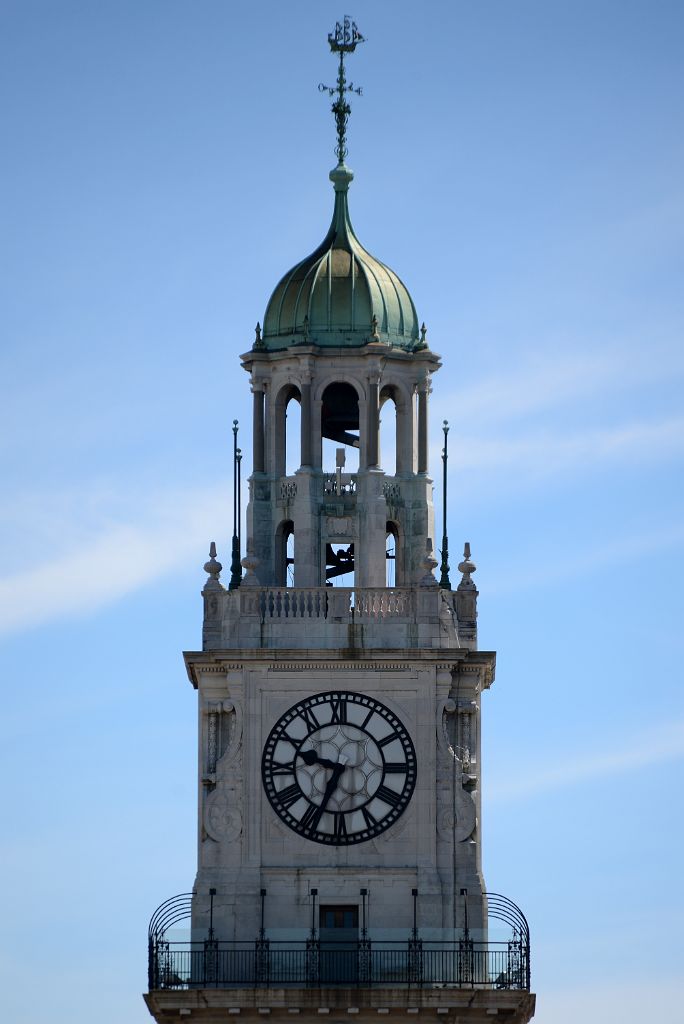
<point x="384" y="603"/>
<point x="335" y="603"/>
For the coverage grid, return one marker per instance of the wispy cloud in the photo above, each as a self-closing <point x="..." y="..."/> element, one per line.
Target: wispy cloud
<point x="117" y="558"/>
<point x="665" y="743"/>
<point x="547" y="453"/>
<point x="540" y="570"/>
<point x="498" y="426"/>
<point x="555" y="379"/>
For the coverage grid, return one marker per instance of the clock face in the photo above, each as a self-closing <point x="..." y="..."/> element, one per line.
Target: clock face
<point x="339" y="768"/>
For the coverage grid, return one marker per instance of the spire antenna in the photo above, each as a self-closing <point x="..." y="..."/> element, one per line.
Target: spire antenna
<point x="343" y="40"/>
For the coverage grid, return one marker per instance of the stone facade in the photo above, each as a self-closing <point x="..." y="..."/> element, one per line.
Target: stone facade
<point x="433" y="847"/>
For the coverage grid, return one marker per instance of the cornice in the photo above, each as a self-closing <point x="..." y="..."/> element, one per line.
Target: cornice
<point x="337" y="660"/>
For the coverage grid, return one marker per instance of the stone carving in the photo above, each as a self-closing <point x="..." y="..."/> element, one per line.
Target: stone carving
<point x="212" y="739"/>
<point x="231" y="732"/>
<point x="339" y="526"/>
<point x="447" y="622"/>
<point x="287" y="490"/>
<point x="222" y="815"/>
<point x="392" y="492"/>
<point x="223" y="800"/>
<point x="460" y="819"/>
<point x="224" y="732"/>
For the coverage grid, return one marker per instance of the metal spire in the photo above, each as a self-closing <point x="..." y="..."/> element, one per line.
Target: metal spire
<point x="343" y="40"/>
<point x="235" y="565"/>
<point x="444" y="581"/>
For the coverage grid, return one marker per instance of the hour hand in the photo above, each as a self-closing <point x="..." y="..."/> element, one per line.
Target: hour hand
<point x="310" y="757"/>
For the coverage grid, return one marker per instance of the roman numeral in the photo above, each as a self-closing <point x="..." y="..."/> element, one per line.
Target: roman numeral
<point x="312" y="722"/>
<point x="310" y="818"/>
<point x="338" y="707"/>
<point x="290" y="795"/>
<point x="387" y="739"/>
<point x="368" y="817"/>
<point x="367" y="718"/>
<point x="340" y="832"/>
<point x="290" y="739"/>
<point x="395" y="768"/>
<point x="287" y="769"/>
<point x="388" y="796"/>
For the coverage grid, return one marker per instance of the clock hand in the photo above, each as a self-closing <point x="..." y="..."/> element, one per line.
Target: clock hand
<point x="310" y="757"/>
<point x="338" y="769"/>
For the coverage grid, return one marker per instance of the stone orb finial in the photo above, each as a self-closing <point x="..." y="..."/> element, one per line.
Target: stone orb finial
<point x="213" y="567"/>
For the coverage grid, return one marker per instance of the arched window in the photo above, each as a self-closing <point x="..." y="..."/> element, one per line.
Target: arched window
<point x="293" y="435"/>
<point x="392" y="571"/>
<point x="285" y="555"/>
<point x="389" y="441"/>
<point x="340" y="426"/>
<point x="339" y="565"/>
<point x="287" y="432"/>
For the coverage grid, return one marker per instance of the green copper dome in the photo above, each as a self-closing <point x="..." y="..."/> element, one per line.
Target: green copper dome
<point x="340" y="295"/>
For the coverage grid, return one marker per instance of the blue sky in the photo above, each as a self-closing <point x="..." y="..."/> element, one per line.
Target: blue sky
<point x="520" y="164"/>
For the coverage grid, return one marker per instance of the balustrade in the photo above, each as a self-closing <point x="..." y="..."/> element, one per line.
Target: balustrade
<point x="334" y="602"/>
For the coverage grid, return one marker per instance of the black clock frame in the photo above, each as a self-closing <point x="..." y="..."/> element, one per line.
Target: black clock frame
<point x="304" y="710"/>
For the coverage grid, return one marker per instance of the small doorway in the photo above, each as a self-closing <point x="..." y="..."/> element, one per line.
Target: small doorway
<point x="339" y="935"/>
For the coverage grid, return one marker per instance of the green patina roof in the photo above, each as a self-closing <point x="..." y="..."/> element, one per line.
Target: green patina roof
<point x="332" y="296"/>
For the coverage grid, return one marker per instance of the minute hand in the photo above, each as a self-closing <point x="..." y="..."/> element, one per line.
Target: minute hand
<point x="337" y="770"/>
<point x="332" y="785"/>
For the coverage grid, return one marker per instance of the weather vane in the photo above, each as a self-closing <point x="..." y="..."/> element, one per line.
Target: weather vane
<point x="343" y="40"/>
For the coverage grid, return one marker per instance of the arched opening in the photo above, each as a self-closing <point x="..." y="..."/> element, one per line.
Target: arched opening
<point x="389" y="442"/>
<point x="287" y="436"/>
<point x="392" y="564"/>
<point x="340" y="426"/>
<point x="285" y="555"/>
<point x="339" y="565"/>
<point x="293" y="435"/>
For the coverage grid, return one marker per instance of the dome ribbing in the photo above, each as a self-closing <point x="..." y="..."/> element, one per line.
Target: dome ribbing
<point x="340" y="295"/>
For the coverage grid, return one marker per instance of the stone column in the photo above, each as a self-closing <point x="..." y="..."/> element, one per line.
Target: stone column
<point x="423" y="391"/>
<point x="258" y="428"/>
<point x="404" y="435"/>
<point x="373" y="422"/>
<point x="306" y="425"/>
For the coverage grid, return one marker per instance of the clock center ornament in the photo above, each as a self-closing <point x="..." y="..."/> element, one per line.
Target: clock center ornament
<point x="339" y="768"/>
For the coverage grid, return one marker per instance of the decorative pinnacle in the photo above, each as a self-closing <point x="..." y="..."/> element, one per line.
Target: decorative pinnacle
<point x="212" y="567"/>
<point x="466" y="566"/>
<point x="343" y="40"/>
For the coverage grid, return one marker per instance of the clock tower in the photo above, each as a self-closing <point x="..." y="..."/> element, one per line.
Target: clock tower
<point x="339" y="690"/>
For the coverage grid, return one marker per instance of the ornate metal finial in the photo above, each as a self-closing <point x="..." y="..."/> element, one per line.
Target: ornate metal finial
<point x="343" y="40"/>
<point x="374" y="328"/>
<point x="423" y="332"/>
<point x="258" y="343"/>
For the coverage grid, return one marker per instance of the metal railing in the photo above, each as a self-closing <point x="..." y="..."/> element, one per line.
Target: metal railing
<point x="312" y="964"/>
